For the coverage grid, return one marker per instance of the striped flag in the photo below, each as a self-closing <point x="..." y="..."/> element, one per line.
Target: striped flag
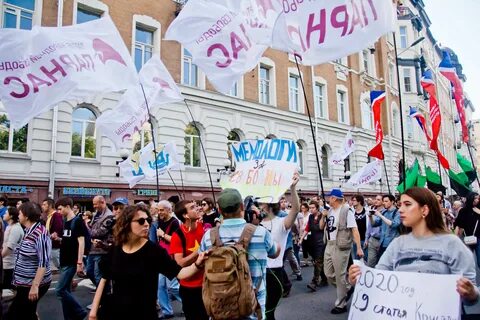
<point x="377" y="98"/>
<point x="415" y="114"/>
<point x="448" y="71"/>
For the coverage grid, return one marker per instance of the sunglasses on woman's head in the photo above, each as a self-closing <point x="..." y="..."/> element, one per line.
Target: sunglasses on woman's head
<point x="141" y="221"/>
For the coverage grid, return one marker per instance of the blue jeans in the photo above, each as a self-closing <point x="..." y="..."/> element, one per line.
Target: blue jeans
<point x="93" y="270"/>
<point x="166" y="286"/>
<point x="72" y="310"/>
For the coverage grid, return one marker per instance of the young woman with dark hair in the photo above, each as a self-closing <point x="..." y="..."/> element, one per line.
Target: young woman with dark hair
<point x="468" y="222"/>
<point x="133" y="265"/>
<point x="437" y="250"/>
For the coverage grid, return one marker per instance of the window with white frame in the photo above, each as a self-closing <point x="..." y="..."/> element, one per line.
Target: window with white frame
<point x="395" y="121"/>
<point x="192" y="146"/>
<point x="407" y="80"/>
<point x="293" y="95"/>
<point x="403" y="37"/>
<point x="367" y="115"/>
<point x="265" y="85"/>
<point x="300" y="157"/>
<point x="85" y="14"/>
<point x="342" y="106"/>
<point x="234" y="90"/>
<point x="142" y="138"/>
<point x="190" y="70"/>
<point x="325" y="164"/>
<point x="391" y="75"/>
<point x="410" y="128"/>
<point x="319" y="100"/>
<point x="143" y="45"/>
<point x="18" y="14"/>
<point x="83" y="133"/>
<point x="12" y="140"/>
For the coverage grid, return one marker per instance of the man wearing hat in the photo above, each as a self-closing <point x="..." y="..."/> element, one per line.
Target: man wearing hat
<point x="230" y="204"/>
<point x="341" y="231"/>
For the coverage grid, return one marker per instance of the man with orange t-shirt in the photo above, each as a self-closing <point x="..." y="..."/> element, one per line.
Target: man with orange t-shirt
<point x="184" y="247"/>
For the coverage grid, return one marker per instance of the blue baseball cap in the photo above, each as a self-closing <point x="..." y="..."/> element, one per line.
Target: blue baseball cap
<point x="123" y="201"/>
<point x="337" y="193"/>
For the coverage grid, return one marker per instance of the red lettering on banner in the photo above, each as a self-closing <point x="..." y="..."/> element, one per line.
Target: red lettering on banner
<point x="50" y="73"/>
<point x="37" y="82"/>
<point x="374" y="11"/>
<point x="321" y="27"/>
<point x="356" y="18"/>
<point x="340" y="23"/>
<point x="224" y="50"/>
<point x="294" y="30"/>
<point x="67" y="60"/>
<point x="81" y="63"/>
<point x="237" y="44"/>
<point x="26" y="88"/>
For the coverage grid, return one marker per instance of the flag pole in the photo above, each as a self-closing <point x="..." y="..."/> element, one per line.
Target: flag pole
<point x="311" y="128"/>
<point x="401" y="112"/>
<point x="473" y="163"/>
<point x="386" y="176"/>
<point x="203" y="149"/>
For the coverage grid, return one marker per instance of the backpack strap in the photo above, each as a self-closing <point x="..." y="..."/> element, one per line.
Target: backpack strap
<point x="246" y="235"/>
<point x="215" y="237"/>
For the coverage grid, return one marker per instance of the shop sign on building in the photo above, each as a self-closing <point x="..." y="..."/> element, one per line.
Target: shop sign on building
<point x="86" y="192"/>
<point x="14" y="189"/>
<point x="146" y="192"/>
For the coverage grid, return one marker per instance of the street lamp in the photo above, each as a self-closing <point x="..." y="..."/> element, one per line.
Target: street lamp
<point x="227" y="169"/>
<point x="414" y="43"/>
<point x="123" y="153"/>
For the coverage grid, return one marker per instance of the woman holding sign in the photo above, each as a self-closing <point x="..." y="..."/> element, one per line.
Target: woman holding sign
<point x="429" y="248"/>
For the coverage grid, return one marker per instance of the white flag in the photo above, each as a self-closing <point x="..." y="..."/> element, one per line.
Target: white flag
<point x="320" y="31"/>
<point x="167" y="159"/>
<point x="130" y="169"/>
<point x="370" y="173"/>
<point x="348" y="148"/>
<point x="121" y="123"/>
<point x="219" y="39"/>
<point x="41" y="67"/>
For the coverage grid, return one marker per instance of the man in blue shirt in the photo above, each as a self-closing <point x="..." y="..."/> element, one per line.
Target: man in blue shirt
<point x="389" y="221"/>
<point x="3" y="210"/>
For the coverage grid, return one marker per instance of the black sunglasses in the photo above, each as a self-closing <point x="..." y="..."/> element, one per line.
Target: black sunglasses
<point x="141" y="221"/>
<point x="204" y="203"/>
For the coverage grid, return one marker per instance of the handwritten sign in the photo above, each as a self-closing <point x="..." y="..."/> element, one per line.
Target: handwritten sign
<point x="264" y="168"/>
<point x="404" y="295"/>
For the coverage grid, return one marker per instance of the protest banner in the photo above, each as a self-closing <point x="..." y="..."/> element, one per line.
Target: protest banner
<point x="383" y="295"/>
<point x="371" y="172"/>
<point x="219" y="40"/>
<point x="167" y="159"/>
<point x="130" y="169"/>
<point x="264" y="168"/>
<point x="348" y="148"/>
<point x="42" y="67"/>
<point x="130" y="114"/>
<point x="320" y="31"/>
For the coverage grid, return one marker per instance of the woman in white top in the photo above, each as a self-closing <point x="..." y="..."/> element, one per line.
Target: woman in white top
<point x="12" y="238"/>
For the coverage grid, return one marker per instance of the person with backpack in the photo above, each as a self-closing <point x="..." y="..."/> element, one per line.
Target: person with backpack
<point x="184" y="246"/>
<point x="254" y="245"/>
<point x="389" y="221"/>
<point x="72" y="244"/>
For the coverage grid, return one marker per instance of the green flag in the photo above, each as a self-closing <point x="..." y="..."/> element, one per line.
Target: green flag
<point x="411" y="179"/>
<point x="467" y="168"/>
<point x="421" y="181"/>
<point x="459" y="183"/>
<point x="434" y="182"/>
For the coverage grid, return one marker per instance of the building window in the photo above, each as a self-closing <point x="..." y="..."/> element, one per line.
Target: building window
<point x="143" y="46"/>
<point x="83" y="133"/>
<point x="265" y="85"/>
<point x="319" y="100"/>
<point x="192" y="146"/>
<point x="293" y="96"/>
<point x="325" y="166"/>
<point x="403" y="37"/>
<point x="12" y="140"/>
<point x="346" y="164"/>
<point x="391" y="75"/>
<point x="342" y="107"/>
<point x="142" y="138"/>
<point x="84" y="14"/>
<point x="367" y="115"/>
<point x="18" y="14"/>
<point x="234" y="91"/>
<point x="300" y="158"/>
<point x="410" y="128"/>
<point x="407" y="80"/>
<point x="366" y="60"/>
<point x="396" y="122"/>
<point x="190" y="70"/>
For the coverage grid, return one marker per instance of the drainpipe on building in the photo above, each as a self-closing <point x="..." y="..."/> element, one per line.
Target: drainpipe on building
<point x="53" y="153"/>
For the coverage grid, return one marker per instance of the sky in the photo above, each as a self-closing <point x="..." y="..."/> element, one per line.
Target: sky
<point x="456" y="24"/>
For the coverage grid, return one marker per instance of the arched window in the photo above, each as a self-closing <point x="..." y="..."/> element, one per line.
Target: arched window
<point x="300" y="157"/>
<point x="192" y="146"/>
<point x="142" y="138"/>
<point x="12" y="140"/>
<point x="325" y="167"/>
<point x="83" y="133"/>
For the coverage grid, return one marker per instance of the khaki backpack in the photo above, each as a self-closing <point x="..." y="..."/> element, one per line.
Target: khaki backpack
<point x="227" y="290"/>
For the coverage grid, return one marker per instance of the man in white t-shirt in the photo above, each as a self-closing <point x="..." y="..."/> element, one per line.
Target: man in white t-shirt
<point x="279" y="227"/>
<point x="339" y="218"/>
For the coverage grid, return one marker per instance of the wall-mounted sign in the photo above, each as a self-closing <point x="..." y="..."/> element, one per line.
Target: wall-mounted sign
<point x="15" y="189"/>
<point x="86" y="192"/>
<point x="146" y="192"/>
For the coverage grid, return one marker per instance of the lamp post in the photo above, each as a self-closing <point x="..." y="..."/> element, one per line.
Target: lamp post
<point x="123" y="153"/>
<point x="226" y="170"/>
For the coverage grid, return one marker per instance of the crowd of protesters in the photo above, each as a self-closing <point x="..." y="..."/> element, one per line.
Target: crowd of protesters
<point x="140" y="257"/>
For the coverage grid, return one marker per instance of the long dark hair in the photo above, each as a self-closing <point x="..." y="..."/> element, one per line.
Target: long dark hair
<point x="469" y="201"/>
<point x="425" y="197"/>
<point x="122" y="229"/>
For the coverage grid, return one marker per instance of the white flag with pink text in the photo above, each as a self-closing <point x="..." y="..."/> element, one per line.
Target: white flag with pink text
<point x="42" y="67"/>
<point x="128" y="118"/>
